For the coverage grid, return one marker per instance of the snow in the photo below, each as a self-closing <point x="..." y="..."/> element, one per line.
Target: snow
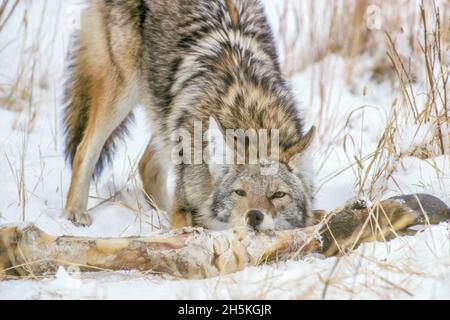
<point x="415" y="136"/>
<point x="35" y="180"/>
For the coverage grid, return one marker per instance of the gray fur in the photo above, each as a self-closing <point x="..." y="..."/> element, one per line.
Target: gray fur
<point x="193" y="63"/>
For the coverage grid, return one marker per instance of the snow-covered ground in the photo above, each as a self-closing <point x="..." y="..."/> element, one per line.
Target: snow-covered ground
<point x="35" y="179"/>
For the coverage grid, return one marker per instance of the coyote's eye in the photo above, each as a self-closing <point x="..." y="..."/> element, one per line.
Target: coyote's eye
<point x="240" y="193"/>
<point x="278" y="195"/>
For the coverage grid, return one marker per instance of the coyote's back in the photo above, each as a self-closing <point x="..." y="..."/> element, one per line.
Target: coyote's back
<point x="186" y="61"/>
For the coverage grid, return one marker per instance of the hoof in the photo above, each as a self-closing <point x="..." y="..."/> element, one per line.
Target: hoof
<point x="435" y="209"/>
<point x="355" y="204"/>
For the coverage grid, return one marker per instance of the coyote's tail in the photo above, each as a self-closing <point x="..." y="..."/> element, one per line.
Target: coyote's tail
<point x="77" y="103"/>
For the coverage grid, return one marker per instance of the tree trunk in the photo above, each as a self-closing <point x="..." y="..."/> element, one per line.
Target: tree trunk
<point x="198" y="253"/>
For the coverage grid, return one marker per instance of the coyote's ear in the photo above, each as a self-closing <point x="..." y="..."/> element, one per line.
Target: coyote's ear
<point x="217" y="149"/>
<point x="293" y="153"/>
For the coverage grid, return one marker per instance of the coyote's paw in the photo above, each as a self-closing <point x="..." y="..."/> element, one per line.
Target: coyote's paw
<point x="80" y="219"/>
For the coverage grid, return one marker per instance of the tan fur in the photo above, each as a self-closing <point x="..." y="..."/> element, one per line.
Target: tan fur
<point x="179" y="219"/>
<point x="154" y="177"/>
<point x="114" y="93"/>
<point x="300" y="146"/>
<point x="234" y="14"/>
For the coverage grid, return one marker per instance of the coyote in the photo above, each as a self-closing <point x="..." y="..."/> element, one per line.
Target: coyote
<point x="186" y="62"/>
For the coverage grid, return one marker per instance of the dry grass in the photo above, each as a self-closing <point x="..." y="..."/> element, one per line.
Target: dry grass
<point x="18" y="86"/>
<point x="18" y="90"/>
<point x="406" y="44"/>
<point x="411" y="111"/>
<point x="403" y="43"/>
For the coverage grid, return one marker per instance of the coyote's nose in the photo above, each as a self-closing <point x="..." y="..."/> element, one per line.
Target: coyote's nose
<point x="255" y="218"/>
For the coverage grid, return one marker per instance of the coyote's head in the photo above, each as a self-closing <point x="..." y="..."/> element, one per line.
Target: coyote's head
<point x="275" y="194"/>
